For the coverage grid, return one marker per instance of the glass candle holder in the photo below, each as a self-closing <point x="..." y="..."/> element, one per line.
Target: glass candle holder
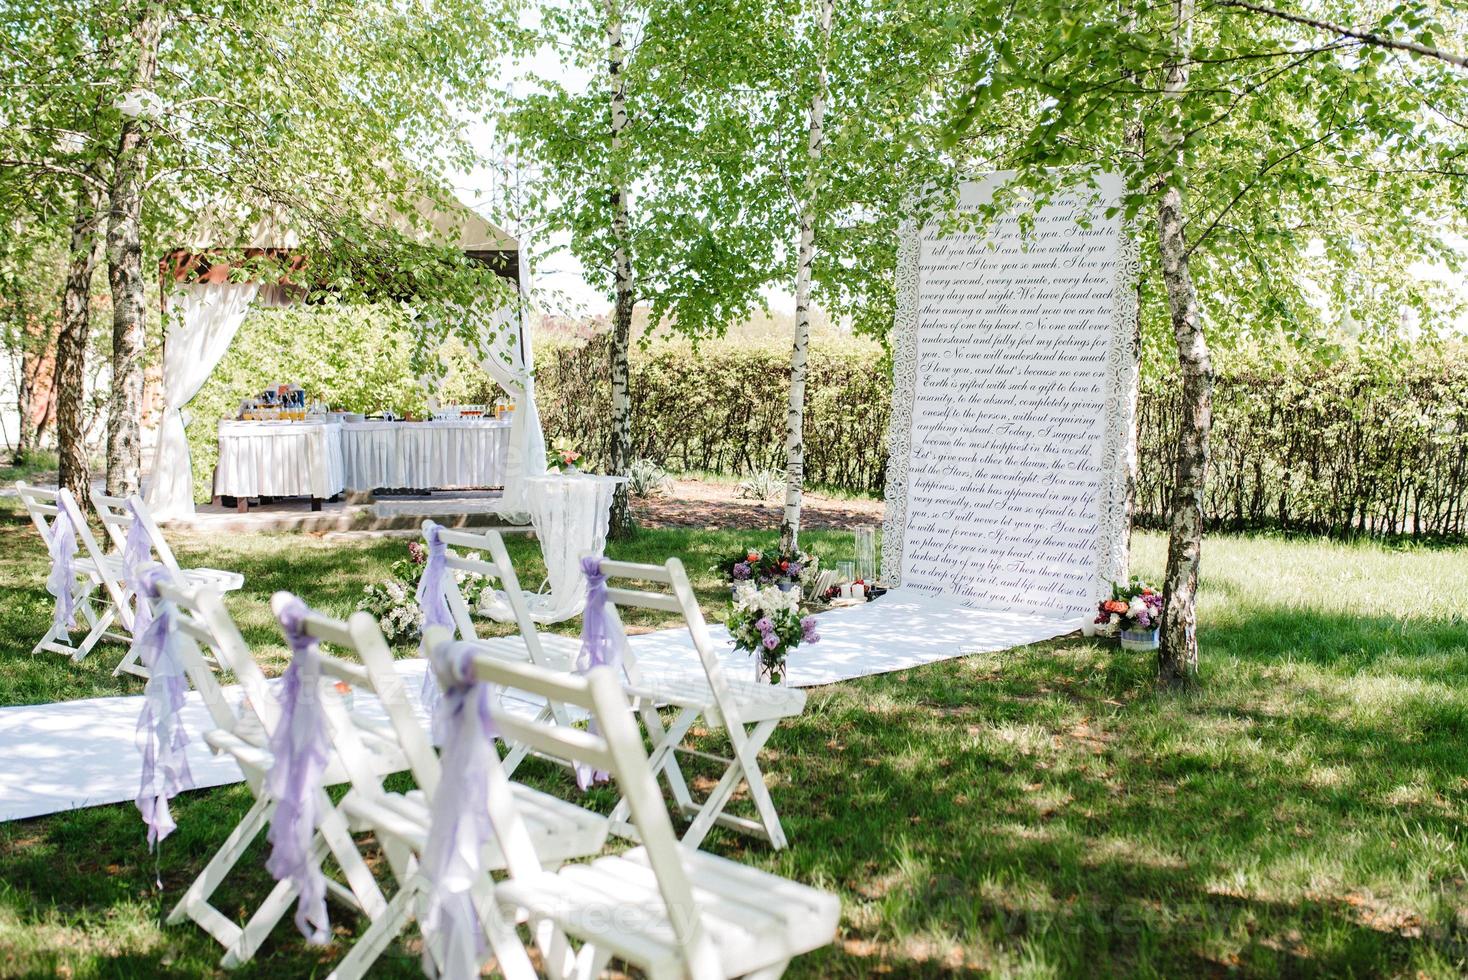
<point x="866" y="553"/>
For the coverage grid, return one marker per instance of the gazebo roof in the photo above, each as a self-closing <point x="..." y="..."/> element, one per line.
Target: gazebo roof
<point x="219" y="232"/>
<point x="456" y="225"/>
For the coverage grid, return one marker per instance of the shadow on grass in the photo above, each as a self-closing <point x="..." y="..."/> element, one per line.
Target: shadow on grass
<point x="1037" y="811"/>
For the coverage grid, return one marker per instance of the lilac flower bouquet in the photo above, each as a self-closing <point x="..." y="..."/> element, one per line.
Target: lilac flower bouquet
<point x="1133" y="610"/>
<point x="766" y="622"/>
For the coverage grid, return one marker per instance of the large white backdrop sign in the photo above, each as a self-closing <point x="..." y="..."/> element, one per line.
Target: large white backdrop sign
<point x="1015" y="390"/>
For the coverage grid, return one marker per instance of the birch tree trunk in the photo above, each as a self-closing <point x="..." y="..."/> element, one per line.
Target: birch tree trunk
<point x="621" y="448"/>
<point x="71" y="339"/>
<point x="1177" y="659"/>
<point x="25" y="392"/>
<point x="795" y="409"/>
<point x="125" y="272"/>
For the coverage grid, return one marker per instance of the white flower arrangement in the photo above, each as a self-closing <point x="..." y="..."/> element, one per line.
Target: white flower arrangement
<point x="770" y="599"/>
<point x="396" y="609"/>
<point x="394" y="601"/>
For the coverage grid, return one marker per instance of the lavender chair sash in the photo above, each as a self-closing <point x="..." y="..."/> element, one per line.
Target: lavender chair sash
<point x="459" y="826"/>
<point x="301" y="752"/>
<point x="161" y="736"/>
<point x="62" y="581"/>
<point x="435" y="606"/>
<point x="137" y="551"/>
<point x="598" y="648"/>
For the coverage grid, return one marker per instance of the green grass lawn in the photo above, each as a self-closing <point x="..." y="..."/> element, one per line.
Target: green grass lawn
<point x="1035" y="812"/>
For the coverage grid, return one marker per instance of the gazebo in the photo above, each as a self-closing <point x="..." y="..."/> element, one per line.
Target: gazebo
<point x="203" y="310"/>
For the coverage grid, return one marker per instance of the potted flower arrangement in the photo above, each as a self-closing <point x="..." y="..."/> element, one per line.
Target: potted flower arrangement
<point x="563" y="455"/>
<point x="1132" y="612"/>
<point x="766" y="622"/>
<point x="787" y="570"/>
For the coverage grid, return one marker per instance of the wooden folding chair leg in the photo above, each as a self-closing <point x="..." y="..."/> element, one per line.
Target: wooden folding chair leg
<point x="755" y="777"/>
<point x="662" y="760"/>
<point x="744" y="767"/>
<point x="131" y="663"/>
<point x="195" y="902"/>
<point x="512" y="961"/>
<point x="365" y="894"/>
<point x="380" y="934"/>
<point x="658" y="735"/>
<point x="362" y="893"/>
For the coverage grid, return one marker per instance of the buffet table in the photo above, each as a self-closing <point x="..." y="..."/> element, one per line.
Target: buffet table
<point x="320" y="459"/>
<point x="279" y="459"/>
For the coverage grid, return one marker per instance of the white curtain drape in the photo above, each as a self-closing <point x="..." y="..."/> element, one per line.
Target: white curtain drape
<point x="203" y="318"/>
<point x="505" y="354"/>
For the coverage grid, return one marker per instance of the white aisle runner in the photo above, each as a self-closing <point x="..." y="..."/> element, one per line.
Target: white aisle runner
<point x="75" y="754"/>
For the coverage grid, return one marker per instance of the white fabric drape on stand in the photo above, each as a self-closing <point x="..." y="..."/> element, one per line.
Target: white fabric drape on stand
<point x="504" y="353"/>
<point x="571" y="513"/>
<point x="203" y="318"/>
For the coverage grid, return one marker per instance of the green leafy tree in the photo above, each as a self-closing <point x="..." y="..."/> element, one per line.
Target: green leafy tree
<point x="645" y="170"/>
<point x="854" y="98"/>
<point x="328" y="117"/>
<point x="1248" y="143"/>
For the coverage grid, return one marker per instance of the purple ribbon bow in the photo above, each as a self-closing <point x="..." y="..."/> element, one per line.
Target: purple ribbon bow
<point x="161" y="736"/>
<point x="598" y="649"/>
<point x="435" y="606"/>
<point x="62" y="581"/>
<point x="136" y="552"/>
<point x="299" y="745"/>
<point x="459" y="824"/>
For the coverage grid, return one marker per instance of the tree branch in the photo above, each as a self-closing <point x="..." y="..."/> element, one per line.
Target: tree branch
<point x="1364" y="36"/>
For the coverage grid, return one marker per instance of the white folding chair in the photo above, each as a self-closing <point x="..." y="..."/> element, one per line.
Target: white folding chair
<point x="97" y="610"/>
<point x="117" y="520"/>
<point x="243" y="733"/>
<point x="117" y="517"/>
<point x="558" y="831"/>
<point x="113" y="575"/>
<point x="547" y="650"/>
<point x="664" y="908"/>
<point x="699" y="692"/>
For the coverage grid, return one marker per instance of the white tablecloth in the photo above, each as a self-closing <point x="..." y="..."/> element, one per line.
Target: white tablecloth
<point x="279" y="459"/>
<point x="445" y="454"/>
<point x="321" y="459"/>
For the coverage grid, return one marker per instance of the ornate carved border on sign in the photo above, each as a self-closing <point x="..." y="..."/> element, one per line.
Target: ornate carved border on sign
<point x="1113" y="518"/>
<point x="904" y="383"/>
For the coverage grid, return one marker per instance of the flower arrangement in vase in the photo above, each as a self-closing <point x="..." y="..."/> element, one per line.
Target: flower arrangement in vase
<point x="1132" y="612"/>
<point x="564" y="455"/>
<point x="766" y="622"/>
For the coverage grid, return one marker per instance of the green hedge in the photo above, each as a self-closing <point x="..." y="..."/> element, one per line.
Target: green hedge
<point x="721" y="408"/>
<point x="1369" y="444"/>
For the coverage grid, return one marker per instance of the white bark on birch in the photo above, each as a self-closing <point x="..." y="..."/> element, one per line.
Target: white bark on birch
<point x="125" y="271"/>
<point x="621" y="447"/>
<point x="1177" y="659"/>
<point x="85" y="254"/>
<point x="806" y="253"/>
